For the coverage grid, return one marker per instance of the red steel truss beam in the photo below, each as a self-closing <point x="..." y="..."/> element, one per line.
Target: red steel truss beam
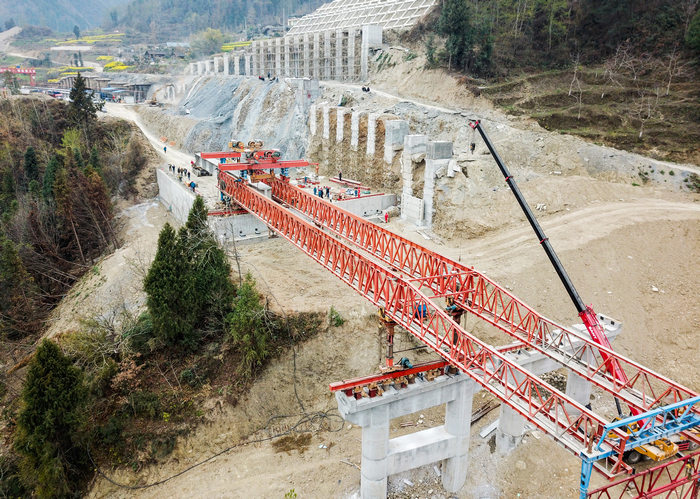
<point x="678" y="479"/>
<point x="264" y="164"/>
<point x="348" y="384"/>
<point x="417" y="368"/>
<point x="477" y="294"/>
<point x="562" y="418"/>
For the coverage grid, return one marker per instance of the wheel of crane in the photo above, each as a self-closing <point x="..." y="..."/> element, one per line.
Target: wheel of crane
<point x="634" y="457"/>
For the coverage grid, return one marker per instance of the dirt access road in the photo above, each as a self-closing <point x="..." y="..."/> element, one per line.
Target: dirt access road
<point x="631" y="251"/>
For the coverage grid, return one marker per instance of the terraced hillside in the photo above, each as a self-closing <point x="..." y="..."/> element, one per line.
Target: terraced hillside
<point x="602" y="105"/>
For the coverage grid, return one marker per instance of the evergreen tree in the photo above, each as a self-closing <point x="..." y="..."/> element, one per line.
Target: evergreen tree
<point x="31" y="165"/>
<point x="248" y="326"/>
<point x="49" y="178"/>
<point x="76" y="32"/>
<point x="214" y="290"/>
<point x="188" y="285"/>
<point x="94" y="160"/>
<point x="17" y="293"/>
<point x="692" y="37"/>
<point x="169" y="287"/>
<point x="47" y="435"/>
<point x="455" y="26"/>
<point x="81" y="110"/>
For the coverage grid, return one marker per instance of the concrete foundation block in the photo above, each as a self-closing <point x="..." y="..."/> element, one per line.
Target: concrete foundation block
<point x="439" y="150"/>
<point x="415" y="144"/>
<point x="394" y="133"/>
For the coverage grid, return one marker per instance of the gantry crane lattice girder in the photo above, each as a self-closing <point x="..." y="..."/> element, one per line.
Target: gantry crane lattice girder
<point x="475" y="293"/>
<point x="567" y="421"/>
<point x="677" y="479"/>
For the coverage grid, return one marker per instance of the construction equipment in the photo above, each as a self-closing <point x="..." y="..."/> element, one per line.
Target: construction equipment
<point x="391" y="273"/>
<point x="657" y="450"/>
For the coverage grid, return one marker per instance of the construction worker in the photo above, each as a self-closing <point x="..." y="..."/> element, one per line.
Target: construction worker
<point x="386" y="217"/>
<point x="340" y="175"/>
<point x="165" y="149"/>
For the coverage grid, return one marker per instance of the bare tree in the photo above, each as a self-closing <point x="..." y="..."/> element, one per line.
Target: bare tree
<point x="687" y="10"/>
<point x="576" y="83"/>
<point x="645" y="106"/>
<point x="672" y="67"/>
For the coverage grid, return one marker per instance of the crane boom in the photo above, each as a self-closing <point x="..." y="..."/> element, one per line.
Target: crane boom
<point x="588" y="316"/>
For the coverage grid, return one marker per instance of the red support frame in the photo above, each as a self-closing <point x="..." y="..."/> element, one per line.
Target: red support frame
<point x="677" y="479"/>
<point x="477" y="294"/>
<point x="568" y="422"/>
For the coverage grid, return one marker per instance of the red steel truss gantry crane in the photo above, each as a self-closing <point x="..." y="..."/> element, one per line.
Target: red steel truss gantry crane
<point x="391" y="271"/>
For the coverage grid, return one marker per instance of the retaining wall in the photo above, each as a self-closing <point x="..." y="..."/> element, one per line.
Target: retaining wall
<point x="174" y="195"/>
<point x="367" y="206"/>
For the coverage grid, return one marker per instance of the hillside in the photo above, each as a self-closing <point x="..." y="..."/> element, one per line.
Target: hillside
<point x="59" y="15"/>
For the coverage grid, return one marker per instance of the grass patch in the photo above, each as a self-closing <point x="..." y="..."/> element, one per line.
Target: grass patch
<point x="289" y="443"/>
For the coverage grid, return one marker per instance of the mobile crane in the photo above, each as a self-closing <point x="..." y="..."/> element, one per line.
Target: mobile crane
<point x="658" y="450"/>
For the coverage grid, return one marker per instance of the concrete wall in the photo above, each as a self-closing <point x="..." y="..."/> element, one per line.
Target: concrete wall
<point x="245" y="228"/>
<point x="367" y="206"/>
<point x="174" y="195"/>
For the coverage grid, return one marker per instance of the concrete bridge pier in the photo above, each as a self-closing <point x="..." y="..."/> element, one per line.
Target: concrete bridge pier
<point x="449" y="444"/>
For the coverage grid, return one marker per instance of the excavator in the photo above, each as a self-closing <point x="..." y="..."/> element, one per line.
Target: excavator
<point x="658" y="450"/>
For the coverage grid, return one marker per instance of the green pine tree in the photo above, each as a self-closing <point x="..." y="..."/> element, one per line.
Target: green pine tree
<point x="188" y="286"/>
<point x="17" y="293"/>
<point x="169" y="287"/>
<point x="249" y="327"/>
<point x="82" y="110"/>
<point x="94" y="160"/>
<point x="31" y="165"/>
<point x="50" y="178"/>
<point x="454" y="24"/>
<point x="692" y="37"/>
<point x="47" y="436"/>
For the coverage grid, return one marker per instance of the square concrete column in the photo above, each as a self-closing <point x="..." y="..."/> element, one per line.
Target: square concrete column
<point x="458" y="416"/>
<point x="312" y="119"/>
<point x="327" y="55"/>
<point x="355" y="130"/>
<point x="226" y="64"/>
<point x="193" y="68"/>
<point x="307" y="62"/>
<point x="288" y="57"/>
<point x="317" y="55"/>
<point x="236" y="64"/>
<point x="200" y="67"/>
<point x="351" y="54"/>
<point x="578" y="388"/>
<point x="297" y="69"/>
<point x="255" y="56"/>
<point x="375" y="449"/>
<point x="510" y="426"/>
<point x="371" y="133"/>
<point x="394" y="133"/>
<point x="278" y="57"/>
<point x="340" y="123"/>
<point x="339" y="54"/>
<point x="364" y="55"/>
<point x="216" y="64"/>
<point x="326" y="122"/>
<point x="208" y="64"/>
<point x="438" y="156"/>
